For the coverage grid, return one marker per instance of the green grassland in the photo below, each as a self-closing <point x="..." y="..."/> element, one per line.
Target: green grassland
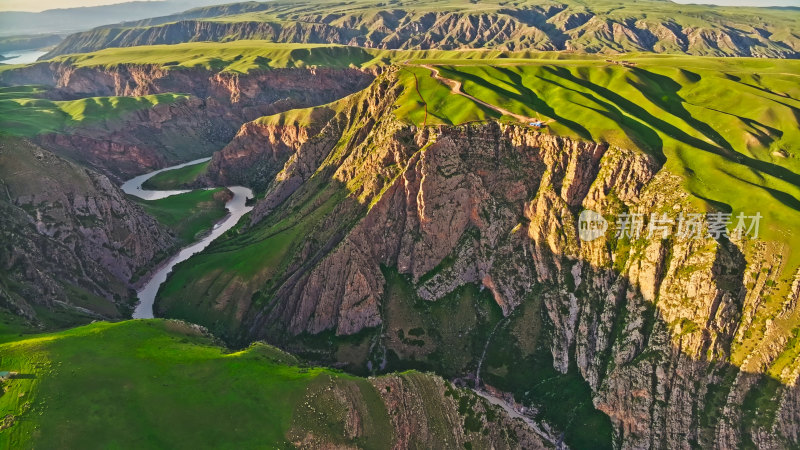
<point x="237" y="56"/>
<point x="246" y="55"/>
<point x="729" y="127"/>
<point x="168" y="384"/>
<point x="164" y="384"/>
<point x="176" y="178"/>
<point x="24" y="113"/>
<point x="189" y="214"/>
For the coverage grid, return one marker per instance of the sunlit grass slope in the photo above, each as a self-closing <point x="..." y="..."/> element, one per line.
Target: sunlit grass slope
<point x="163" y="384"/>
<point x="243" y="56"/>
<point x="237" y="56"/>
<point x="246" y="55"/>
<point x="730" y="127"/>
<point x="22" y="113"/>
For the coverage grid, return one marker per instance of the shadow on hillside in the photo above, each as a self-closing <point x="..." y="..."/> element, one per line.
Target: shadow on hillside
<point x="530" y="99"/>
<point x="673" y="106"/>
<point x="656" y="368"/>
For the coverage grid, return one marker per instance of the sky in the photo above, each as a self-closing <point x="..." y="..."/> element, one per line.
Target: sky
<point x="40" y="5"/>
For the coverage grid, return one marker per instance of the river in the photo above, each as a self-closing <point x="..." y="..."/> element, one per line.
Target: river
<point x="236" y="209"/>
<point x="21" y="56"/>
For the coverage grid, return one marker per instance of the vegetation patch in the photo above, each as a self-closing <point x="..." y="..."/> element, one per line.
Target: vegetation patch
<point x="733" y="121"/>
<point x="176" y="178"/>
<point x="24" y="113"/>
<point x="191" y="214"/>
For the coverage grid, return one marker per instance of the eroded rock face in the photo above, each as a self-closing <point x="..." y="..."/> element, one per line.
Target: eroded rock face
<point x="400" y="411"/>
<point x="668" y="334"/>
<point x="190" y="128"/>
<point x="70" y="234"/>
<point x="259" y="151"/>
<point x="511" y="27"/>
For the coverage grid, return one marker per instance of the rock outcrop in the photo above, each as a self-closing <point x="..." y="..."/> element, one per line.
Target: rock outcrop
<point x="261" y="148"/>
<point x="218" y="105"/>
<point x="675" y="339"/>
<point x="637" y="26"/>
<point x="73" y="244"/>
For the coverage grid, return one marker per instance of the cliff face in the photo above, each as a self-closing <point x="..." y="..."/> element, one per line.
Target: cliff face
<point x="640" y="26"/>
<point x="143" y="140"/>
<point x="205" y="122"/>
<point x="260" y="149"/>
<point x="73" y="243"/>
<point x="423" y="411"/>
<point x="456" y="249"/>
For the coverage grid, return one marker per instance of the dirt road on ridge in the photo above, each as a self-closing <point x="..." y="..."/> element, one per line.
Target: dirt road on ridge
<point x="456" y="88"/>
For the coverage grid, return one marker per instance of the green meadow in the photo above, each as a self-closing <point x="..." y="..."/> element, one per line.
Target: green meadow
<point x="189" y="214"/>
<point x="24" y="113"/>
<point x="729" y="127"/>
<point x="237" y="56"/>
<point x="176" y="178"/>
<point x="164" y="384"/>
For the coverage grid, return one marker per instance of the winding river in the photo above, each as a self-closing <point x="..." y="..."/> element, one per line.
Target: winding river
<point x="236" y="209"/>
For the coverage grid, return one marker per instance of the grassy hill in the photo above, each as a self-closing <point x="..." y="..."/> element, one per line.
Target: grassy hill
<point x="596" y="27"/>
<point x="244" y="56"/>
<point x="728" y="126"/>
<point x="24" y="113"/>
<point x="239" y="56"/>
<point x="189" y="214"/>
<point x="156" y="384"/>
<point x="175" y="178"/>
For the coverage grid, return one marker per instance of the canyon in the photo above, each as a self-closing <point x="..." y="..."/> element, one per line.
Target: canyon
<point x="385" y="247"/>
<point x="656" y="329"/>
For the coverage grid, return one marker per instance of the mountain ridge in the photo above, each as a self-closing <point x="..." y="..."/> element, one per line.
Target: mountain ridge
<point x="653" y="26"/>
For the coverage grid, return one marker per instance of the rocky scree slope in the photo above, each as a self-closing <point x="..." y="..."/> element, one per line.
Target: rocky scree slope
<point x="602" y="27"/>
<point x="684" y="342"/>
<point x="148" y="139"/>
<point x="72" y="243"/>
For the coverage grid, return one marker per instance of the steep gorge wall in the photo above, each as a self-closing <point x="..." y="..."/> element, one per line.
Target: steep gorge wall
<point x="672" y="336"/>
<point x="188" y="129"/>
<point x="260" y="149"/>
<point x="73" y="244"/>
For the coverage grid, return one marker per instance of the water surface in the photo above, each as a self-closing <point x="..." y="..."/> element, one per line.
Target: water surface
<point x="21" y="56"/>
<point x="236" y="209"/>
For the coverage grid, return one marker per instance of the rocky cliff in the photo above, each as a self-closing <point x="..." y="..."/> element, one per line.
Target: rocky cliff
<point x="456" y="249"/>
<point x="187" y="129"/>
<point x="261" y="148"/>
<point x="73" y="244"/>
<point x="655" y="26"/>
<point x="424" y="411"/>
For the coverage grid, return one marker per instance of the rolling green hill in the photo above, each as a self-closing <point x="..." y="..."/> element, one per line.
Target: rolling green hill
<point x="596" y="27"/>
<point x="728" y="126"/>
<point x="155" y="383"/>
<point x="250" y="55"/>
<point x="24" y="113"/>
<point x="239" y="56"/>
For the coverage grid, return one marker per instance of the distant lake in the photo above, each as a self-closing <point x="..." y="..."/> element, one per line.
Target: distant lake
<point x="21" y="56"/>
